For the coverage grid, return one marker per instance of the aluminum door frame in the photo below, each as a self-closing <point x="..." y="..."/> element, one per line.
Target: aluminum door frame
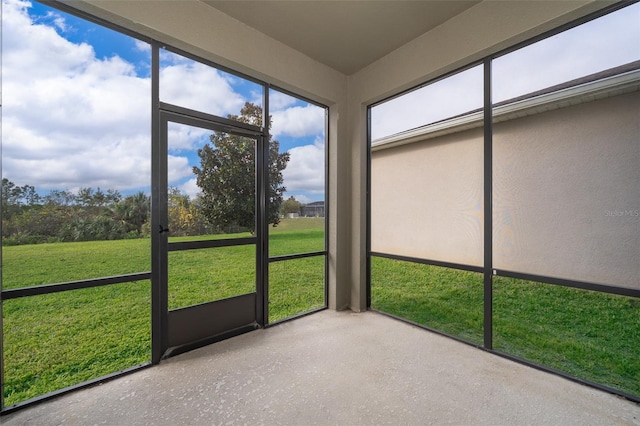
<point x="186" y="328"/>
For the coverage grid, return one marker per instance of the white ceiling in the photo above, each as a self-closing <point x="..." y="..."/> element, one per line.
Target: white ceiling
<point x="345" y="35"/>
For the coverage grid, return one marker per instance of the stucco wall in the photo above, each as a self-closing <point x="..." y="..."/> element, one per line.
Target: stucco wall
<point x="567" y="193"/>
<point x="426" y="199"/>
<point x="566" y="197"/>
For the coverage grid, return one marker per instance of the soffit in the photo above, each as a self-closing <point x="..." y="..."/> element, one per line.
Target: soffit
<point x="345" y="35"/>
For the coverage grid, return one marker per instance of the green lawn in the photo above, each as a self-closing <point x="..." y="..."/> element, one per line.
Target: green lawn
<point x="587" y="334"/>
<point x="444" y="299"/>
<point x="58" y="340"/>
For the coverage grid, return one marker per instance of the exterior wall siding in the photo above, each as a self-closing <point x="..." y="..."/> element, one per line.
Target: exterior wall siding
<point x="426" y="199"/>
<point x="565" y="195"/>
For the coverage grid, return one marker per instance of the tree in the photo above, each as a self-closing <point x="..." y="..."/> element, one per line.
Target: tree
<point x="226" y="175"/>
<point x="291" y="205"/>
<point x="185" y="216"/>
<point x="133" y="211"/>
<point x="16" y="198"/>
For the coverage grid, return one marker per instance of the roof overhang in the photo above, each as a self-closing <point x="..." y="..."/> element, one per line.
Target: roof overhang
<point x="587" y="92"/>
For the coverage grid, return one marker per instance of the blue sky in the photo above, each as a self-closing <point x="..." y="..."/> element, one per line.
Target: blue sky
<point x="76" y="108"/>
<point x="105" y="42"/>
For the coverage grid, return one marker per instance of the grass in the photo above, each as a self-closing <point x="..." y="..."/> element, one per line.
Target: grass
<point x="444" y="299"/>
<point x="58" y="340"/>
<point x="38" y="264"/>
<point x="198" y="276"/>
<point x="295" y="283"/>
<point x="587" y="334"/>
<point x="590" y="335"/>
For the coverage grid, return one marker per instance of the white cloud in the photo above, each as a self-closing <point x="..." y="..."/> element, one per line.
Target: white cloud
<point x="305" y="171"/>
<point x="199" y="87"/>
<point x="279" y="101"/>
<point x="177" y="168"/>
<point x="186" y="138"/>
<point x="190" y="188"/>
<point x="57" y="20"/>
<point x="455" y="95"/>
<point x="73" y="120"/>
<point x="592" y="47"/>
<point x="298" y="121"/>
<point x="301" y="198"/>
<point x="70" y="120"/>
<point x="142" y="46"/>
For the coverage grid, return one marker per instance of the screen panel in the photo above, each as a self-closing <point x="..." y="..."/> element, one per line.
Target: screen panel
<point x="583" y="333"/>
<point x="296" y="286"/>
<point x="567" y="154"/>
<point x="76" y="148"/>
<point x="191" y="84"/>
<point x="566" y="193"/>
<point x="212" y="184"/>
<point x="297" y="179"/>
<point x="427" y="184"/>
<point x="436" y="102"/>
<point x="445" y="299"/>
<point x="58" y="340"/>
<point x="601" y="44"/>
<point x="204" y="275"/>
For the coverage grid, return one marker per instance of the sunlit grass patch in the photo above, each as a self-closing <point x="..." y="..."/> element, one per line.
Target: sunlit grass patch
<point x="590" y="335"/>
<point x="58" y="340"/>
<point x="445" y="299"/>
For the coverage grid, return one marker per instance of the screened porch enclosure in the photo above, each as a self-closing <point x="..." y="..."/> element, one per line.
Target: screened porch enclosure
<point x="515" y="226"/>
<point x="178" y="174"/>
<point x="155" y="232"/>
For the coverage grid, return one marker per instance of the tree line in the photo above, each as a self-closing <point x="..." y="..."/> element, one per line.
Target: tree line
<point x="60" y="215"/>
<point x="226" y="203"/>
<point x="93" y="214"/>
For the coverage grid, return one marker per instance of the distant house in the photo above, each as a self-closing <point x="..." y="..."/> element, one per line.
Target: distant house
<point x="315" y="209"/>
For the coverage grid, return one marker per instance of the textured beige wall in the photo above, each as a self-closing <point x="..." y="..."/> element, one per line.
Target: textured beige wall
<point x="567" y="193"/>
<point x="481" y="30"/>
<point x="566" y="196"/>
<point x="426" y="199"/>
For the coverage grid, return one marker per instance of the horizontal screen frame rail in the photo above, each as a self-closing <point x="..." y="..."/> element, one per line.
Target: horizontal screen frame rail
<point x="431" y="262"/>
<point x="73" y="285"/>
<point x="212" y="122"/>
<point x="582" y="285"/>
<point x="205" y="244"/>
<point x="297" y="256"/>
<point x="31" y="402"/>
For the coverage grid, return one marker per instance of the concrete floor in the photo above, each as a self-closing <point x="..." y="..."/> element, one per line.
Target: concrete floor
<point x="336" y="368"/>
